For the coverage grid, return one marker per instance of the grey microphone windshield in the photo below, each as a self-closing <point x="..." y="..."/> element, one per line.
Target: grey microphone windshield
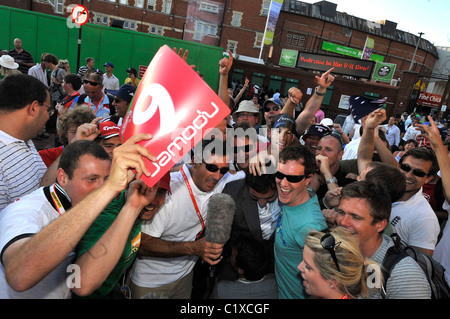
<point x="219" y="218"/>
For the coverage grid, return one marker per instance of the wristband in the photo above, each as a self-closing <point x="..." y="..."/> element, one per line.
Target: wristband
<point x="318" y="93"/>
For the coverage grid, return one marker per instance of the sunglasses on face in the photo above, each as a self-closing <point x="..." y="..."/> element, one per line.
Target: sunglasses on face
<point x="416" y="172"/>
<point x="91" y="82"/>
<point x="244" y="148"/>
<point x="273" y="108"/>
<point x="329" y="243"/>
<point x="214" y="168"/>
<point x="290" y="178"/>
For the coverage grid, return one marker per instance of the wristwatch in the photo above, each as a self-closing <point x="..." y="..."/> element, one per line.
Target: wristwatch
<point x="318" y="93"/>
<point x="332" y="180"/>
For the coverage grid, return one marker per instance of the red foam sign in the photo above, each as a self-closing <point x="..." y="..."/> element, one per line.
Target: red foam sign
<point x="176" y="106"/>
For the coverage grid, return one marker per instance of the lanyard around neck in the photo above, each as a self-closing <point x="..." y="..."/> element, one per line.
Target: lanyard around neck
<point x="200" y="217"/>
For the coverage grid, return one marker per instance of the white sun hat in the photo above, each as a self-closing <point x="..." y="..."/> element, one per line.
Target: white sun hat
<point x="7" y="61"/>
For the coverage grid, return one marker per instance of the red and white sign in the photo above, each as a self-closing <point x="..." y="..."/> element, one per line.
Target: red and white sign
<point x="79" y="15"/>
<point x="429" y="99"/>
<point x="176" y="106"/>
<point x="142" y="69"/>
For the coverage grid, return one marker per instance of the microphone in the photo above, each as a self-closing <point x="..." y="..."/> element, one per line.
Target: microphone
<point x="219" y="218"/>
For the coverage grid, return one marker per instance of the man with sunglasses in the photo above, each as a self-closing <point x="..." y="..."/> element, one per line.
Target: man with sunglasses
<point x="300" y="214"/>
<point x="172" y="241"/>
<point x="25" y="107"/>
<point x="272" y="107"/>
<point x="412" y="216"/>
<point x="94" y="97"/>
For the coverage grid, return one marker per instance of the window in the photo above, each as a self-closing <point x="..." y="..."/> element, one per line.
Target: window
<point x="139" y="3"/>
<point x="101" y="19"/>
<point x="156" y="29"/>
<point x="203" y="29"/>
<point x="258" y="40"/>
<point x="209" y="7"/>
<point x="59" y="6"/>
<point x="232" y="46"/>
<point x="236" y="19"/>
<point x="125" y="2"/>
<point x="151" y="4"/>
<point x="167" y="6"/>
<point x="265" y="7"/>
<point x="129" y="25"/>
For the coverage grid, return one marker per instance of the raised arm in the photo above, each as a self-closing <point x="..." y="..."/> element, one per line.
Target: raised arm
<point x="224" y="69"/>
<point x="303" y="121"/>
<point x="432" y="133"/>
<point x="27" y="261"/>
<point x="366" y="146"/>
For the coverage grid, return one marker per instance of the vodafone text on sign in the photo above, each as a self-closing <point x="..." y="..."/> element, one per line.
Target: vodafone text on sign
<point x="176" y="106"/>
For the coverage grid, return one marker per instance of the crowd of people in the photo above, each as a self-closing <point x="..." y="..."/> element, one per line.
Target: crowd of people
<point x="314" y="203"/>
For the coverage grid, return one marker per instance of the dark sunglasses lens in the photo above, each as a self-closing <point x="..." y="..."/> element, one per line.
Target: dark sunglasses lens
<point x="91" y="83"/>
<point x="327" y="241"/>
<point x="214" y="168"/>
<point x="416" y="172"/>
<point x="290" y="178"/>
<point x="274" y="108"/>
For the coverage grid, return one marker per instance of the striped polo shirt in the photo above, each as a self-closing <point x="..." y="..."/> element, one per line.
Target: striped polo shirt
<point x="21" y="168"/>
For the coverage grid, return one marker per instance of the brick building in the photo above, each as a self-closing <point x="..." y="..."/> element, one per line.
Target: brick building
<point x="238" y="26"/>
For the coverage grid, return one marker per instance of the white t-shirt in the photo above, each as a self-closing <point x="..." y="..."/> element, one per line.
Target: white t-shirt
<point x="415" y="222"/>
<point x="25" y="218"/>
<point x="351" y="149"/>
<point x="177" y="220"/>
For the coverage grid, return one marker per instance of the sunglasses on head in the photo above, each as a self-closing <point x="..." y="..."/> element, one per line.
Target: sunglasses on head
<point x="290" y="178"/>
<point x="214" y="168"/>
<point x="91" y="82"/>
<point x="329" y="243"/>
<point x="273" y="108"/>
<point x="244" y="148"/>
<point x="416" y="172"/>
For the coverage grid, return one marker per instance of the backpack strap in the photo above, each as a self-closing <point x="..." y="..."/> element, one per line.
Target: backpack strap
<point x="81" y="99"/>
<point x="393" y="255"/>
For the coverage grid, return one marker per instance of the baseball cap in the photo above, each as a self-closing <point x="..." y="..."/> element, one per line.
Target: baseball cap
<point x="109" y="64"/>
<point x="327" y="122"/>
<point x="276" y="101"/>
<point x="125" y="92"/>
<point x="164" y="182"/>
<point x="108" y="127"/>
<point x="132" y="70"/>
<point x="318" y="129"/>
<point x="284" y="121"/>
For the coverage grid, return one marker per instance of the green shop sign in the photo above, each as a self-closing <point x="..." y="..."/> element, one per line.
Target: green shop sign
<point x="384" y="72"/>
<point x="288" y="58"/>
<point x="332" y="47"/>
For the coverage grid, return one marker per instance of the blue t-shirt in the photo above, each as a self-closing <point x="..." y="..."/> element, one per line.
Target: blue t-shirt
<point x="293" y="225"/>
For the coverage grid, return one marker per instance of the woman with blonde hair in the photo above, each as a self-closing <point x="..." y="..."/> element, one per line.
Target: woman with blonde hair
<point x="8" y="66"/>
<point x="333" y="266"/>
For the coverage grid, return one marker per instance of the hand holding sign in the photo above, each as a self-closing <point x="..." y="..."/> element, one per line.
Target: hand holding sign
<point x="176" y="106"/>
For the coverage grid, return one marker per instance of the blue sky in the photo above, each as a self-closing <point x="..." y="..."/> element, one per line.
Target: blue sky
<point x="429" y="16"/>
